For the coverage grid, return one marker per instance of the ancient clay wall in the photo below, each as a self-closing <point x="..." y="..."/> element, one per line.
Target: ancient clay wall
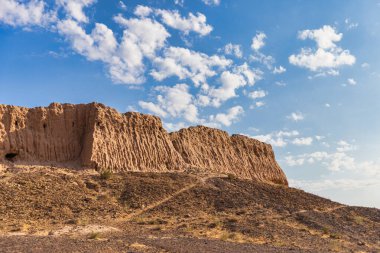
<point x="214" y="150"/>
<point x="132" y="142"/>
<point x="97" y="136"/>
<point x="43" y="134"/>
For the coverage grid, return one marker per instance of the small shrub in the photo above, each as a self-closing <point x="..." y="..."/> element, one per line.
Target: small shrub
<point x="94" y="236"/>
<point x="325" y="230"/>
<point x="335" y="236"/>
<point x="105" y="174"/>
<point x="231" y="176"/>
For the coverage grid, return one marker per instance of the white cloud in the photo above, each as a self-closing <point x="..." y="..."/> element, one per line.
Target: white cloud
<point x="344" y="146"/>
<point x="228" y="118"/>
<point x="155" y="109"/>
<point x="280" y="83"/>
<point x="350" y="25"/>
<point x="99" y="45"/>
<point x="307" y="141"/>
<point x="257" y="94"/>
<point x="122" y="5"/>
<point x="74" y="8"/>
<point x="147" y="34"/>
<point x="193" y="23"/>
<point x="338" y="160"/>
<point x="266" y="60"/>
<point x="333" y="184"/>
<point x="141" y="39"/>
<point x="279" y="70"/>
<point x="277" y="139"/>
<point x="142" y="11"/>
<point x="327" y="57"/>
<point x="211" y="2"/>
<point x="232" y="49"/>
<point x="174" y="101"/>
<point x="351" y="81"/>
<point x="257" y="104"/>
<point x="21" y="13"/>
<point x="296" y="116"/>
<point x="231" y="81"/>
<point x="365" y="65"/>
<point x="179" y="2"/>
<point x="185" y="63"/>
<point x="258" y="41"/>
<point x="325" y="37"/>
<point x="327" y="105"/>
<point x="171" y="127"/>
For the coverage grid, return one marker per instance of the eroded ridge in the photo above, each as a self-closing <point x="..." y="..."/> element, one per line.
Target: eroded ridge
<point x="96" y="136"/>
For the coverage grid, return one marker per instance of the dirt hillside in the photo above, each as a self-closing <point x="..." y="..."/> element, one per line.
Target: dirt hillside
<point x="50" y="209"/>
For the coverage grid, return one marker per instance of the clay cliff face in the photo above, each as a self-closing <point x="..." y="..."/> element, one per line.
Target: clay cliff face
<point x="215" y="151"/>
<point x="97" y="136"/>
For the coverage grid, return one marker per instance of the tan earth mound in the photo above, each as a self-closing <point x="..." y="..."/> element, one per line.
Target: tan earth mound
<point x="96" y="136"/>
<point x="213" y="150"/>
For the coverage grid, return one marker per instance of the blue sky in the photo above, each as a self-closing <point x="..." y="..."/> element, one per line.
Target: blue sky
<point x="301" y="75"/>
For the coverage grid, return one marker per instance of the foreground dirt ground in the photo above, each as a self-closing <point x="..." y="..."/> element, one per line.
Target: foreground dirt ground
<point x="49" y="209"/>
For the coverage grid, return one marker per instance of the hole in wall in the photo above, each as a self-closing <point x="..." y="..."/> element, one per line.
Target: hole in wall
<point x="16" y="123"/>
<point x="73" y="124"/>
<point x="10" y="156"/>
<point x="44" y="125"/>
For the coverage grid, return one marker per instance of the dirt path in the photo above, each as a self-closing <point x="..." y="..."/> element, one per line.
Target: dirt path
<point x="202" y="180"/>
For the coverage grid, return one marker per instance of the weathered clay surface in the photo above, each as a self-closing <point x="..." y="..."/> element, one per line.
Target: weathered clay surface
<point x="215" y="151"/>
<point x="132" y="142"/>
<point x="93" y="135"/>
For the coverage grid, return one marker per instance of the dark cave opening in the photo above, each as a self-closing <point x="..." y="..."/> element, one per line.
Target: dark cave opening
<point x="10" y="156"/>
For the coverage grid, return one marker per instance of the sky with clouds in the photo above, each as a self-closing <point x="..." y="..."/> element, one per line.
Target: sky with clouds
<point x="300" y="75"/>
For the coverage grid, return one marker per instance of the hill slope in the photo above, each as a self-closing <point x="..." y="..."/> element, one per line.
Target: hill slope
<point x="45" y="209"/>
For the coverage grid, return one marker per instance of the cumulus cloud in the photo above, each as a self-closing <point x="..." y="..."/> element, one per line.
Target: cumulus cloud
<point x="228" y="118"/>
<point x="141" y="39"/>
<point x="74" y="8"/>
<point x="193" y="23"/>
<point x="185" y="63"/>
<point x="21" y="13"/>
<point x="233" y="49"/>
<point x="257" y="94"/>
<point x="211" y="2"/>
<point x="351" y="81"/>
<point x="338" y="160"/>
<point x="344" y="146"/>
<point x="333" y="184"/>
<point x="279" y="70"/>
<point x="306" y="141"/>
<point x="327" y="57"/>
<point x="257" y="104"/>
<point x="296" y="116"/>
<point x="277" y="139"/>
<point x="179" y="2"/>
<point x="231" y="81"/>
<point x="142" y="11"/>
<point x="258" y="41"/>
<point x="174" y="101"/>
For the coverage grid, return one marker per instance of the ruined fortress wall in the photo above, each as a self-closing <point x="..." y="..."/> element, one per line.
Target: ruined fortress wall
<point x="97" y="136"/>
<point x="50" y="134"/>
<point x="132" y="142"/>
<point x="214" y="150"/>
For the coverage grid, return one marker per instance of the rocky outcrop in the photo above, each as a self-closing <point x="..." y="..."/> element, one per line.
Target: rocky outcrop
<point x="215" y="151"/>
<point x="93" y="135"/>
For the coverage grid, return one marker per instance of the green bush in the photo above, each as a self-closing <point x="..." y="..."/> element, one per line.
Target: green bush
<point x="105" y="174"/>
